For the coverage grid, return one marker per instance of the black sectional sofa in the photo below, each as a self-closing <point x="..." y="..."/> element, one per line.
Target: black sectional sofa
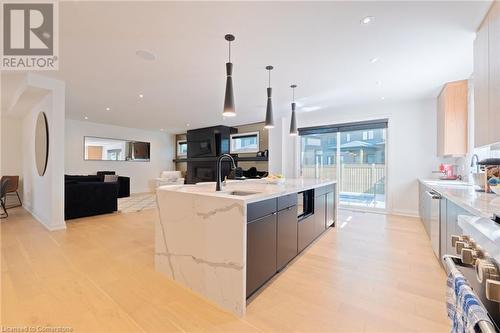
<point x="88" y="196"/>
<point x="123" y="183"/>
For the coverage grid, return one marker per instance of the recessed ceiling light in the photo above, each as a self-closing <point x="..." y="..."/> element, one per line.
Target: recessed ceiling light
<point x="146" y="55"/>
<point x="367" y="20"/>
<point x="162" y="129"/>
<point x="86" y="118"/>
<point x="382" y="98"/>
<point x="108" y="109"/>
<point x="141" y="96"/>
<point x="373" y="60"/>
<point x="187" y="125"/>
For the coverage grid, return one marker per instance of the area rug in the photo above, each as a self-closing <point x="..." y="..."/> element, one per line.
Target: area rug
<point x="137" y="203"/>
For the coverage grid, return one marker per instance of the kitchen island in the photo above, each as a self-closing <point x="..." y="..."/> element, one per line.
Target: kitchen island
<point x="225" y="245"/>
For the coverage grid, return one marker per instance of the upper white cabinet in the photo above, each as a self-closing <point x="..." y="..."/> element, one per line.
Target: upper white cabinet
<point x="494" y="70"/>
<point x="481" y="86"/>
<point x="487" y="80"/>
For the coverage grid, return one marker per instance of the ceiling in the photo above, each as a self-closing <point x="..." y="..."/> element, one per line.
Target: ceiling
<point x="320" y="46"/>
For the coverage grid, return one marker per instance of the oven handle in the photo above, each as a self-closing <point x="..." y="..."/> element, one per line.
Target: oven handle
<point x="450" y="263"/>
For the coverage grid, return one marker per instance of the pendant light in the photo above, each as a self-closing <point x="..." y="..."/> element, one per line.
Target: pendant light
<point x="293" y="122"/>
<point x="269" y="108"/>
<point x="229" y="110"/>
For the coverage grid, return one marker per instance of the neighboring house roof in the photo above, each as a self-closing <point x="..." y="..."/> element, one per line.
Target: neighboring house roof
<point x="356" y="144"/>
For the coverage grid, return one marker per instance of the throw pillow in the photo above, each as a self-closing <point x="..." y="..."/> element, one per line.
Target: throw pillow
<point x="110" y="178"/>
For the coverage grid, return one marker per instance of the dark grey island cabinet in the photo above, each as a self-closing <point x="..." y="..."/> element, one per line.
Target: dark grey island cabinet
<point x="286" y="235"/>
<point x="261" y="251"/>
<point x="275" y="235"/>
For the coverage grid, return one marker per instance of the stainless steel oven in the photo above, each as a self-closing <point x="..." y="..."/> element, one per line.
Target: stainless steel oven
<point x="477" y="259"/>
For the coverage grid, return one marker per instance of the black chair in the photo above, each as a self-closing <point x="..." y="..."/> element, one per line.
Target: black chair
<point x="4" y="183"/>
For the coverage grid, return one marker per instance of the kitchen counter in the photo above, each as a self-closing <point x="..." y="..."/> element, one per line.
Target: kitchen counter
<point x="260" y="188"/>
<point x="201" y="236"/>
<point x="464" y="195"/>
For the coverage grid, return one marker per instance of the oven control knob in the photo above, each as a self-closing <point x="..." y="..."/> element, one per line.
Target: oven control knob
<point x="469" y="256"/>
<point x="456" y="238"/>
<point x="493" y="290"/>
<point x="460" y="245"/>
<point x="485" y="270"/>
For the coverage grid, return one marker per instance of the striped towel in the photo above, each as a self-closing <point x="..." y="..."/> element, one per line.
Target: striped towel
<point x="464" y="309"/>
<point x="455" y="312"/>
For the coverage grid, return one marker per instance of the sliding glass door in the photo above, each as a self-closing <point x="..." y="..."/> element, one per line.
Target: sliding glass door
<point x="319" y="156"/>
<point x="354" y="154"/>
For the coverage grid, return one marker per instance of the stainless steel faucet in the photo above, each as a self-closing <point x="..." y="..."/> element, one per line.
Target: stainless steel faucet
<point x="474" y="162"/>
<point x="219" y="176"/>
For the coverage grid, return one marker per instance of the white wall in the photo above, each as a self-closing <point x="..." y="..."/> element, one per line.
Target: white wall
<point x="411" y="145"/>
<point x="43" y="196"/>
<point x="142" y="174"/>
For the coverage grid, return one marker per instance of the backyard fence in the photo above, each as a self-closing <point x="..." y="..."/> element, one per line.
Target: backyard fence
<point x="354" y="178"/>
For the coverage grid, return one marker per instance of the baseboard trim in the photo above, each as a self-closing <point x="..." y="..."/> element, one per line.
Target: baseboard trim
<point x="383" y="212"/>
<point x="405" y="213"/>
<point x="36" y="217"/>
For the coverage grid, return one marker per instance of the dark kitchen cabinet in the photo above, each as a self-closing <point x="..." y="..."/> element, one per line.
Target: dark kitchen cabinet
<point x="319" y="215"/>
<point x="287" y="236"/>
<point x="306" y="232"/>
<point x="261" y="251"/>
<point x="275" y="235"/>
<point x="330" y="209"/>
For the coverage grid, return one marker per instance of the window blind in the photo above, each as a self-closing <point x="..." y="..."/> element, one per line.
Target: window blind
<point x="346" y="127"/>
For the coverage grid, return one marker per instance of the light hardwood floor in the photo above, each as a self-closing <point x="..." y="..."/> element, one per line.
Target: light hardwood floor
<point x="373" y="273"/>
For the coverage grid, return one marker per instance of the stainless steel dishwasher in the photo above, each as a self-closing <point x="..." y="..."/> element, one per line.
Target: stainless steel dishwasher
<point x="434" y="203"/>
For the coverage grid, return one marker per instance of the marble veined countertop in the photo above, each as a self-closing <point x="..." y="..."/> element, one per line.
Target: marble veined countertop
<point x="464" y="195"/>
<point x="260" y="188"/>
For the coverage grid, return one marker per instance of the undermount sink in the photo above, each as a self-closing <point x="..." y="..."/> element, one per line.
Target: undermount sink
<point x="241" y="193"/>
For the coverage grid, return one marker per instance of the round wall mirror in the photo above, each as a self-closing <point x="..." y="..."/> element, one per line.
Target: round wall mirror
<point x="41" y="143"/>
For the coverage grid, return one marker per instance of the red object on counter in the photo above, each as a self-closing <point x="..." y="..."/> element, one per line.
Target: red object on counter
<point x="449" y="172"/>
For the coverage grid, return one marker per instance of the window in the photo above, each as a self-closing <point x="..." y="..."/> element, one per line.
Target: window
<point x="182" y="148"/>
<point x="354" y="154"/>
<point x="245" y="143"/>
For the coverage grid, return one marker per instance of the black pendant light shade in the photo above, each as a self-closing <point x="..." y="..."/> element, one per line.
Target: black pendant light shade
<point x="269" y="108"/>
<point x="293" y="121"/>
<point x="229" y="110"/>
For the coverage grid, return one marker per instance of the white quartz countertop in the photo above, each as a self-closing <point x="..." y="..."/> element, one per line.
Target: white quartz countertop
<point x="259" y="188"/>
<point x="464" y="195"/>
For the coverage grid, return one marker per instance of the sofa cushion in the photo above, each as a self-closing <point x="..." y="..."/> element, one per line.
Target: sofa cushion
<point x="171" y="175"/>
<point x="110" y="178"/>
